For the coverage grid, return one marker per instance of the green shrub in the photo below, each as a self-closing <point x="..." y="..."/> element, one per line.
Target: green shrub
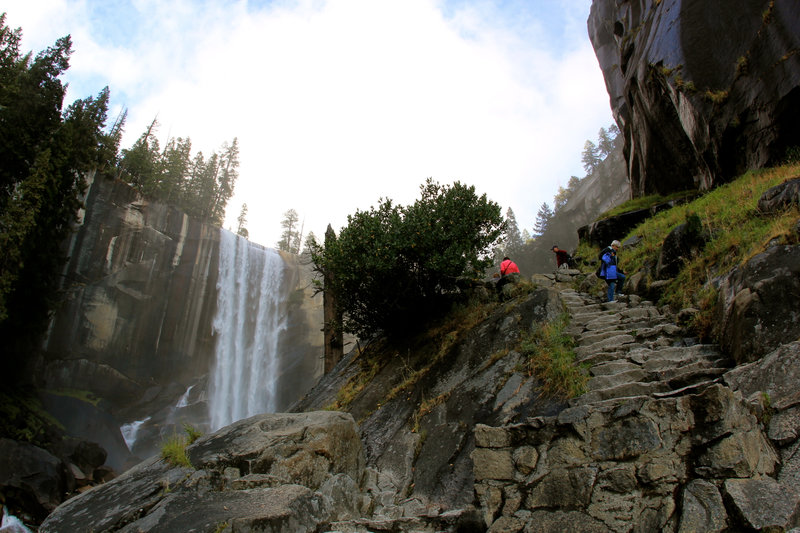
<point x="793" y="155"/>
<point x="394" y="267"/>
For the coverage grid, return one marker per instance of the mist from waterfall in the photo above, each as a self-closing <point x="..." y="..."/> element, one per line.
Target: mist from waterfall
<point x="248" y="325"/>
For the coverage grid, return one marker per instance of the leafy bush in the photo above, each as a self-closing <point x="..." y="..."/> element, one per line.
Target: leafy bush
<point x="393" y="267"/>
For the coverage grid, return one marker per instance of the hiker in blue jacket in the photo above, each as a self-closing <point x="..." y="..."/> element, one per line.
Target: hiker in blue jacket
<point x="608" y="270"/>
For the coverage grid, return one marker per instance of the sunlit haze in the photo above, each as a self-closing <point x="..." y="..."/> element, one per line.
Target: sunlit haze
<point x="338" y="103"/>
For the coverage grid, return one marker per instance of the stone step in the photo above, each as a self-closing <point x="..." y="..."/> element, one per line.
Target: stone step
<point x="689" y="389"/>
<point x="612" y="367"/>
<point x="622" y="391"/>
<point x="614" y="343"/>
<point x="632" y="350"/>
<point x="602" y="322"/>
<point x="584" y="317"/>
<point x="592" y="337"/>
<point x="665" y="357"/>
<point x="610" y="381"/>
<point x="648" y="332"/>
<point x="642" y="330"/>
<point x="600" y="358"/>
<point x="640" y="313"/>
<point x="693" y="373"/>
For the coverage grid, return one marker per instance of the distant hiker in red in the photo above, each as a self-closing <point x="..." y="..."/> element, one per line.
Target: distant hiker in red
<point x="508" y="267"/>
<point x="509" y="272"/>
<point x="562" y="257"/>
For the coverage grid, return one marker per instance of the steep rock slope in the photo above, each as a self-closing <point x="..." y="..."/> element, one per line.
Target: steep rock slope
<point x="701" y="91"/>
<point x="417" y="412"/>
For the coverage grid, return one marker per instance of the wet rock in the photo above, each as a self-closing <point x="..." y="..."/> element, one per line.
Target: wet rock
<point x="694" y="106"/>
<point x="776" y="374"/>
<point x="31" y="479"/>
<point x="780" y="197"/>
<point x="320" y="449"/>
<point x="304" y="449"/>
<point x="759" y="304"/>
<point x="681" y="244"/>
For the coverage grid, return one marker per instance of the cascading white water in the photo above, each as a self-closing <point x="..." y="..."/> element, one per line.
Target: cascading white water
<point x="248" y="325"/>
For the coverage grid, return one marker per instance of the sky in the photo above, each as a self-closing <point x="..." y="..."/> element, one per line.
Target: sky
<point x="338" y="103"/>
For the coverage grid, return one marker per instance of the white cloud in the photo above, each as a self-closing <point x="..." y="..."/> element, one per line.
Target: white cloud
<point x="338" y="103"/>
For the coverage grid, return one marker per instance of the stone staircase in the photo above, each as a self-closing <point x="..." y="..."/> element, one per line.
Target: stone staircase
<point x="630" y="349"/>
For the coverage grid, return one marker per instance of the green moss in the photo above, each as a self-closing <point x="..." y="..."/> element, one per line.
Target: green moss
<point x="645" y="202"/>
<point x="741" y="66"/>
<point x="78" y="394"/>
<point x="716" y="97"/>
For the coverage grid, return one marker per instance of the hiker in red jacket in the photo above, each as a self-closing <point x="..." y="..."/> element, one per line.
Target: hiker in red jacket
<point x="562" y="257"/>
<point x="508" y="267"/>
<point x="509" y="271"/>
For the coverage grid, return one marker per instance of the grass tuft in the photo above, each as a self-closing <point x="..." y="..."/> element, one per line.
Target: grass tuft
<point x="551" y="358"/>
<point x="173" y="450"/>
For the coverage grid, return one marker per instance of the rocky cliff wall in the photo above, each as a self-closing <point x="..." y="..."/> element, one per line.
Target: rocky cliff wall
<point x="137" y="325"/>
<point x="140" y="297"/>
<point x="701" y="90"/>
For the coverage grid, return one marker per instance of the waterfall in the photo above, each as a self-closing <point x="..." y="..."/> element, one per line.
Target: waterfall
<point x="129" y="432"/>
<point x="248" y="325"/>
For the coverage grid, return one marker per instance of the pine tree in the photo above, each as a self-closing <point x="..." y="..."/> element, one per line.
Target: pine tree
<point x="176" y="162"/>
<point x="290" y="234"/>
<point x="589" y="157"/>
<point x="45" y="154"/>
<point x="542" y="220"/>
<point x="241" y="221"/>
<point x="605" y="143"/>
<point x="513" y="242"/>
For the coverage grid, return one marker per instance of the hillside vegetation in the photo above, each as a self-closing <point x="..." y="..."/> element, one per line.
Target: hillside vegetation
<point x="736" y="231"/>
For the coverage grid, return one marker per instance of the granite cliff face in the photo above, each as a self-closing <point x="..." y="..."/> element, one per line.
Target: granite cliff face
<point x="137" y="328"/>
<point x="140" y="286"/>
<point x="701" y="90"/>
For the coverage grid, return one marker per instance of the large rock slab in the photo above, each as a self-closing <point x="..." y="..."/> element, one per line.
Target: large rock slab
<point x="31" y="479"/>
<point x="418" y="413"/>
<point x="763" y="504"/>
<point x="701" y="91"/>
<point x="776" y="374"/>
<point x="300" y="471"/>
<point x="303" y="448"/>
<point x="288" y="508"/>
<point x="759" y="304"/>
<point x="703" y="509"/>
<point x="780" y="197"/>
